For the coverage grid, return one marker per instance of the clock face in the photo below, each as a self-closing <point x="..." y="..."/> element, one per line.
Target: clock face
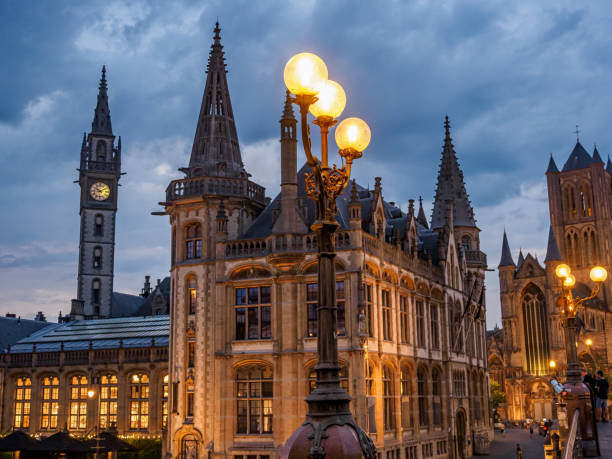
<point x="99" y="191"/>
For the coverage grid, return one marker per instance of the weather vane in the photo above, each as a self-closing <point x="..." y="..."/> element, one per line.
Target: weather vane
<point x="577" y="132"/>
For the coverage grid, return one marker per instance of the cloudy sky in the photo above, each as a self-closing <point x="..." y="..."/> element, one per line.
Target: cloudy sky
<point x="514" y="77"/>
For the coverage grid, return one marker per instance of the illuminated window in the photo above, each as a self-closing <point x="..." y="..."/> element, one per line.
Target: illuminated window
<point x="370" y="309"/>
<point x="97" y="257"/>
<point x="388" y="399"/>
<point x="370" y="399"/>
<point x="386" y="314"/>
<point x="109" y="391"/>
<point x="139" y="402"/>
<point x="165" y="403"/>
<point x="343" y="374"/>
<point x="78" y="403"/>
<point x="23" y="398"/>
<point x="404" y="320"/>
<point x="406" y="397"/>
<point x="99" y="225"/>
<point x="193" y="241"/>
<point x="312" y="302"/>
<point x="50" y="403"/>
<point x="191" y="346"/>
<point x="253" y="313"/>
<point x="254" y="392"/>
<point x="95" y="291"/>
<point x="192" y="295"/>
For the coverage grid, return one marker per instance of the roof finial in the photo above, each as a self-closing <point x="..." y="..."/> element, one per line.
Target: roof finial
<point x="577" y="132"/>
<point x="447" y="127"/>
<point x="217" y="30"/>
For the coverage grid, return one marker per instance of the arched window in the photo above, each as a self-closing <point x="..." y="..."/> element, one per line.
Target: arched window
<point x="585" y="199"/>
<point x="189" y="447"/>
<point x="406" y="397"/>
<point x="370" y="399"/>
<point x="78" y="403"/>
<point x="97" y="257"/>
<point x="254" y="393"/>
<point x="192" y="294"/>
<point x="164" y="405"/>
<point x="193" y="241"/>
<point x="99" y="225"/>
<point x="436" y="392"/>
<point x="535" y="328"/>
<point x="466" y="243"/>
<point x="139" y="401"/>
<point x="422" y="396"/>
<point x="388" y="399"/>
<point x="343" y="374"/>
<point x="23" y="398"/>
<point x="49" y="403"/>
<point x="101" y="151"/>
<point x="95" y="291"/>
<point x="109" y="392"/>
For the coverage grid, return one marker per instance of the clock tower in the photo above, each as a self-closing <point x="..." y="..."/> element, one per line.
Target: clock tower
<point x="99" y="173"/>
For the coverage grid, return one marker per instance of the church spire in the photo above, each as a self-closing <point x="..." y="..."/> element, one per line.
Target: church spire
<point x="102" y="121"/>
<point x="421" y="215"/>
<point x="506" y="257"/>
<point x="451" y="187"/>
<point x="216" y="151"/>
<point x="552" y="251"/>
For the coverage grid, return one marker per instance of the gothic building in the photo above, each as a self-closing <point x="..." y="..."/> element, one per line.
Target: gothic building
<point x="580" y="205"/>
<point x="244" y="290"/>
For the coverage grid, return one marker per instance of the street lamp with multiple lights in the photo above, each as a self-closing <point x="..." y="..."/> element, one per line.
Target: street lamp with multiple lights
<point x="329" y="429"/>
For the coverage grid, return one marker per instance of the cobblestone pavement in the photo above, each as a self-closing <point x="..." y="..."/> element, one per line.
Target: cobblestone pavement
<point x="504" y="445"/>
<point x="605" y="439"/>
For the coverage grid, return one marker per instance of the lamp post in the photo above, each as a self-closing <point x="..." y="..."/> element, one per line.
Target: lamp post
<point x="576" y="393"/>
<point x="91" y="393"/>
<point x="329" y="429"/>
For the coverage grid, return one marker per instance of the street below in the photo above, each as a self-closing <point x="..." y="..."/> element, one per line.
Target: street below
<point x="504" y="445"/>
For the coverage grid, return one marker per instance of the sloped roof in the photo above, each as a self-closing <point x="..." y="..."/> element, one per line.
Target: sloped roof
<point x="552" y="251"/>
<point x="146" y="308"/>
<point x="552" y="166"/>
<point x="506" y="257"/>
<point x="125" y="305"/>
<point x="14" y="329"/>
<point x="579" y="158"/>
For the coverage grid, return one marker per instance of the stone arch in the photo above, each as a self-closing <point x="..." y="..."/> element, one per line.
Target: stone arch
<point x="572" y="247"/>
<point x="407" y="282"/>
<point x="250" y="271"/>
<point x="390" y="276"/>
<point x="189" y="450"/>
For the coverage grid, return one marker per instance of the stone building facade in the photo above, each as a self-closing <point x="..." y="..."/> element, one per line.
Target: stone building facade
<point x="243" y="292"/>
<point x="580" y="206"/>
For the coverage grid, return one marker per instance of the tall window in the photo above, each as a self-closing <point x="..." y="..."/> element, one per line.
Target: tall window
<point x="253" y="313"/>
<point x="312" y="302"/>
<point x="97" y="257"/>
<point x="108" y="401"/>
<point x="23" y="398"/>
<point x="422" y="396"/>
<point x="164" y="410"/>
<point x="99" y="225"/>
<point x="191" y="346"/>
<point x="254" y="398"/>
<point x="95" y="291"/>
<point x="466" y="243"/>
<point x="388" y="399"/>
<point x="535" y="328"/>
<point x="404" y="320"/>
<point x="459" y="383"/>
<point x="139" y="402"/>
<point x="435" y="326"/>
<point x="192" y="294"/>
<point x="78" y="403"/>
<point x="386" y="314"/>
<point x="436" y="392"/>
<point x="343" y="374"/>
<point x="370" y="399"/>
<point x="370" y="308"/>
<point x="420" y="310"/>
<point x="406" y="397"/>
<point x="101" y="151"/>
<point x="193" y="241"/>
<point x="49" y="403"/>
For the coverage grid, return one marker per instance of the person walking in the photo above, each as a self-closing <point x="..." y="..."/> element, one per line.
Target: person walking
<point x="519" y="451"/>
<point x="530" y="430"/>
<point x="602" y="386"/>
<point x="502" y="428"/>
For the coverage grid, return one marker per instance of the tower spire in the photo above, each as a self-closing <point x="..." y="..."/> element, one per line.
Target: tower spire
<point x="421" y="218"/>
<point x="216" y="151"/>
<point x="506" y="257"/>
<point x="552" y="251"/>
<point x="102" y="121"/>
<point x="451" y="187"/>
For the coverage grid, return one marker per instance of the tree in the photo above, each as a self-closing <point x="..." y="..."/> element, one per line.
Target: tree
<point x="497" y="395"/>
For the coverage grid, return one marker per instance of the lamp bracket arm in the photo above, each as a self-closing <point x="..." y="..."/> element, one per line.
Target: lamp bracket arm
<point x="304" y="104"/>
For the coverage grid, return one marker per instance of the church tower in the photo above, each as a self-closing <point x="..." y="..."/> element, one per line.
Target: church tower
<point x="99" y="173"/>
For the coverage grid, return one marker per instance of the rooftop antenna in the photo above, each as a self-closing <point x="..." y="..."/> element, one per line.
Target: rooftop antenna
<point x="577" y="132"/>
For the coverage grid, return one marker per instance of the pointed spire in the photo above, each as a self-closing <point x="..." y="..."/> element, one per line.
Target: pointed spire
<point x="84" y="144"/>
<point x="521" y="258"/>
<point x="451" y="187"/>
<point x="421" y="218"/>
<point x="552" y="251"/>
<point x="609" y="165"/>
<point x="596" y="157"/>
<point x="102" y="122"/>
<point x="506" y="257"/>
<point x="579" y="158"/>
<point x="354" y="194"/>
<point x="552" y="166"/>
<point x="216" y="151"/>
<point x="288" y="108"/>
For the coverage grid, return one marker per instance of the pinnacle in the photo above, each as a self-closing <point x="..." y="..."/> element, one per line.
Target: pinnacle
<point x="288" y="108"/>
<point x="421" y="215"/>
<point x="506" y="258"/>
<point x="102" y="121"/>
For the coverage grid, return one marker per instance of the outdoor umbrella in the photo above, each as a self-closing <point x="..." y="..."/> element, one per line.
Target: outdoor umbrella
<point x="18" y="441"/>
<point x="62" y="442"/>
<point x="109" y="442"/>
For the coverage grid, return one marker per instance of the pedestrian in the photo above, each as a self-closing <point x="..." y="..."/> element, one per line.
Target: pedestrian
<point x="519" y="451"/>
<point x="502" y="428"/>
<point x="601" y="387"/>
<point x="530" y="430"/>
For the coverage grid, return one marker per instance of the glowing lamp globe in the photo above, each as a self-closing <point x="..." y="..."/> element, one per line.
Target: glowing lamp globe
<point x="562" y="270"/>
<point x="552" y="364"/>
<point x="90" y="393"/>
<point x="305" y="74"/>
<point x="569" y="281"/>
<point x="598" y="274"/>
<point x="331" y="100"/>
<point x="353" y="133"/>
<point x="588" y="341"/>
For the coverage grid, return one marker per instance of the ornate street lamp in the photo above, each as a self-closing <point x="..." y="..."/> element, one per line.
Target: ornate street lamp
<point x="575" y="393"/>
<point x="329" y="429"/>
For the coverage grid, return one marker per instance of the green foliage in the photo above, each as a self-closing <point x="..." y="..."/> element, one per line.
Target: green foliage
<point x="497" y="396"/>
<point x="146" y="448"/>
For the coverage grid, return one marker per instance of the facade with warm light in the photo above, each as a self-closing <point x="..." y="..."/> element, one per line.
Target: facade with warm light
<point x="533" y="347"/>
<point x="244" y="291"/>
